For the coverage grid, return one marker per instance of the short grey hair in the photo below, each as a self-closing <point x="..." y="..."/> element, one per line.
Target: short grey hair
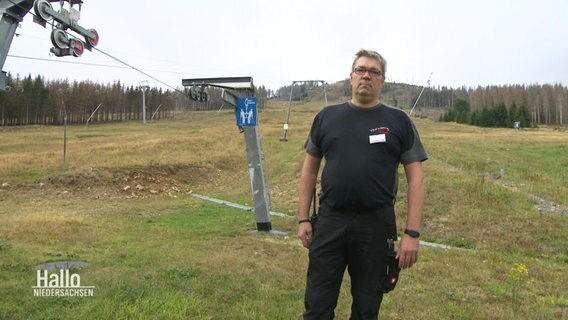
<point x="373" y="55"/>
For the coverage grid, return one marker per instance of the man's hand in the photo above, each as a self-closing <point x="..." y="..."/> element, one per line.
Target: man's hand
<point x="408" y="251"/>
<point x="305" y="233"/>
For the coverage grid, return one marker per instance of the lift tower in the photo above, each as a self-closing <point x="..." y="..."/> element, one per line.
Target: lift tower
<point x="285" y="128"/>
<point x="239" y="92"/>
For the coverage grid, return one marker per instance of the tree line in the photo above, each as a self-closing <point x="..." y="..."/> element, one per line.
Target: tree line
<point x="545" y="104"/>
<point x="31" y="101"/>
<point x="36" y="101"/>
<point x="300" y="91"/>
<point x="496" y="116"/>
<point x="540" y="104"/>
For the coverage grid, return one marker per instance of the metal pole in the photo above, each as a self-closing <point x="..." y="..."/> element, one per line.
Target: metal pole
<point x="259" y="183"/>
<point x="144" y="86"/>
<point x="64" y="137"/>
<point x="255" y="156"/>
<point x="416" y="102"/>
<point x="11" y="13"/>
<point x="157" y="109"/>
<point x="325" y="92"/>
<point x="285" y="128"/>
<point x="143" y="106"/>
<point x="92" y="114"/>
<point x="257" y="177"/>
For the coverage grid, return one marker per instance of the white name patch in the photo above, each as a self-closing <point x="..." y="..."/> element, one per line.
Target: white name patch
<point x="377" y="138"/>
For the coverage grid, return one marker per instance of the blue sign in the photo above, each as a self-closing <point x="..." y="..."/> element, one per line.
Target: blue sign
<point x="246" y="112"/>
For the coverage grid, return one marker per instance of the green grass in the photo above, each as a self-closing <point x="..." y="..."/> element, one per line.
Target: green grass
<point x="155" y="252"/>
<point x="533" y="161"/>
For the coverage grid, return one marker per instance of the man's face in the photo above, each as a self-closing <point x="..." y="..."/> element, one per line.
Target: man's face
<point x="367" y="79"/>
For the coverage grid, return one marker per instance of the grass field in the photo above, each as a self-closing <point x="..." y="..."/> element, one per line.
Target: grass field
<point x="123" y="204"/>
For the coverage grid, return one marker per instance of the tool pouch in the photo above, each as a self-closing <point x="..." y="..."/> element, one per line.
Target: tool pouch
<point x="393" y="271"/>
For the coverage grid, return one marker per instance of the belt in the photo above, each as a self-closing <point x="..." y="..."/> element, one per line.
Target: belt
<point x="358" y="209"/>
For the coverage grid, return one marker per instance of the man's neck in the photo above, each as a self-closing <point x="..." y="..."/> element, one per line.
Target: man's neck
<point x="368" y="105"/>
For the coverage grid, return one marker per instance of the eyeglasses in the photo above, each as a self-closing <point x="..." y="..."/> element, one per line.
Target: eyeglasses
<point x="360" y="71"/>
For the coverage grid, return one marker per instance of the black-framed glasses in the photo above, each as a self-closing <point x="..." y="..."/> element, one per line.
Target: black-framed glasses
<point x="375" y="73"/>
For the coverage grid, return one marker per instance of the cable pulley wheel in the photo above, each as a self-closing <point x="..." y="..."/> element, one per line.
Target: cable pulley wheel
<point x="93" y="41"/>
<point x="41" y="9"/>
<point x="59" y="39"/>
<point x="78" y="47"/>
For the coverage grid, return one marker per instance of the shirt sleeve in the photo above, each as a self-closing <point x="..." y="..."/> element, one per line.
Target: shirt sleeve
<point x="312" y="149"/>
<point x="416" y="151"/>
<point x="312" y="144"/>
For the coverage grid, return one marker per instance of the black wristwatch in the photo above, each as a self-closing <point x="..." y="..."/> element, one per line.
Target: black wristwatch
<point x="412" y="233"/>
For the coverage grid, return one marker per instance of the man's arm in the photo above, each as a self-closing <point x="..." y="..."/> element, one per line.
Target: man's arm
<point x="308" y="180"/>
<point x="409" y="247"/>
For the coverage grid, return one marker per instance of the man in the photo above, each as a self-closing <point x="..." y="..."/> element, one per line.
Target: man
<point x="363" y="142"/>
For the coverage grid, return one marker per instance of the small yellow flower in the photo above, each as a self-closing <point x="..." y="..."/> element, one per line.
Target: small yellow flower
<point x="518" y="272"/>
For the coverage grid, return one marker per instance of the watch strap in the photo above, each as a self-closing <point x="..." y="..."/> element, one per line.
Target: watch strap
<point x="413" y="233"/>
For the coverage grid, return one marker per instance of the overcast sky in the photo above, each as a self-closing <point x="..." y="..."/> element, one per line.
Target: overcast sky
<point x="459" y="43"/>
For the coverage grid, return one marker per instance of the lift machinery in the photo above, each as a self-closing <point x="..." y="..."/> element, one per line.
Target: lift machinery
<point x="66" y="18"/>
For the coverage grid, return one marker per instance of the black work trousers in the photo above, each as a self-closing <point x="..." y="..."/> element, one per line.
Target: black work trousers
<point x="352" y="239"/>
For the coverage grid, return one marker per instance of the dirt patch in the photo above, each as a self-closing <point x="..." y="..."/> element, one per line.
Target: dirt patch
<point x="119" y="182"/>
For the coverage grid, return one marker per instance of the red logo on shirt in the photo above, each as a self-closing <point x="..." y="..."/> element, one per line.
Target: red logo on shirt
<point x="380" y="130"/>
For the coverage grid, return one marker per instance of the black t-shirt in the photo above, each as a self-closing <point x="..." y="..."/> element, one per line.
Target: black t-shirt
<point x="362" y="149"/>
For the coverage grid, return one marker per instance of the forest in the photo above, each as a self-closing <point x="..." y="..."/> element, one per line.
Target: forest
<point x="538" y="104"/>
<point x="30" y="101"/>
<point x="37" y="101"/>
